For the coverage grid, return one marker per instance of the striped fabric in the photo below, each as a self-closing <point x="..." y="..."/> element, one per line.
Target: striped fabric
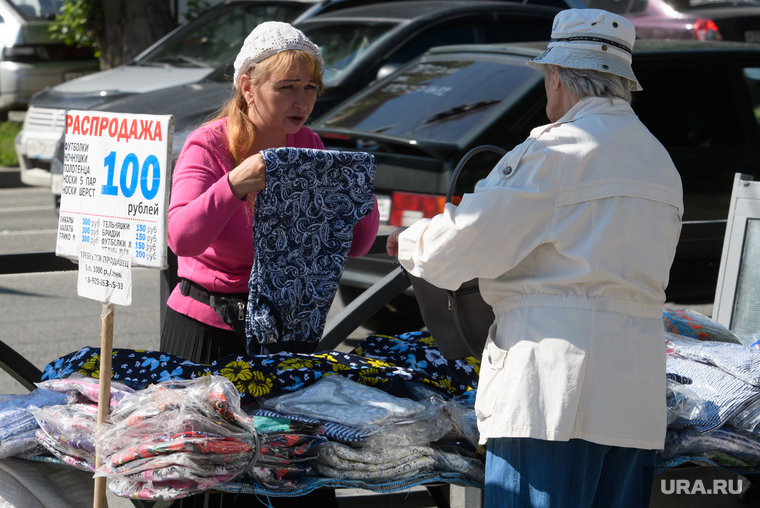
<point x="735" y="359"/>
<point x="333" y="431"/>
<point x="724" y="395"/>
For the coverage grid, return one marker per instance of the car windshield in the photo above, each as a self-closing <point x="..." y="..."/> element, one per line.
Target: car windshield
<point x="37" y="9"/>
<point x="436" y="100"/>
<point x="343" y="46"/>
<point x="681" y="5"/>
<point x="218" y="35"/>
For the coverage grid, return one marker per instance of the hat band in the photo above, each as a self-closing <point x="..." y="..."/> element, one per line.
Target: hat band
<point x="595" y="39"/>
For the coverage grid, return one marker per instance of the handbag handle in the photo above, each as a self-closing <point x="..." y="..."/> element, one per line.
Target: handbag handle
<point x="467" y="156"/>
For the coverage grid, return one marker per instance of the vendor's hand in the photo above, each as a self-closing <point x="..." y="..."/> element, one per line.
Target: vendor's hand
<point x="249" y="176"/>
<point x="391" y="246"/>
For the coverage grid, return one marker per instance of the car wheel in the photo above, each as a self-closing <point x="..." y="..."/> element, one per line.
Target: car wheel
<point x="401" y="314"/>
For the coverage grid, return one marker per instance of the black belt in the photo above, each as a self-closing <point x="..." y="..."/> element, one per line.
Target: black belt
<point x="201" y="294"/>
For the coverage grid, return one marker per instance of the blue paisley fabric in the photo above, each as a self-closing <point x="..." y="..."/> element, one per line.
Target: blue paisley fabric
<point x="378" y="361"/>
<point x="303" y="227"/>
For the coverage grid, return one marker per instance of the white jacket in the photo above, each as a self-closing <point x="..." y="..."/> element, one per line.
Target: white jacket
<point x="572" y="235"/>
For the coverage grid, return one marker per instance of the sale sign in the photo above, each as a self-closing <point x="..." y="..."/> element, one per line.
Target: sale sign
<point x="116" y="184"/>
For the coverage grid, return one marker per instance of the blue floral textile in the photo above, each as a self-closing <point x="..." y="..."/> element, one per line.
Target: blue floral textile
<point x="378" y="361"/>
<point x="303" y="227"/>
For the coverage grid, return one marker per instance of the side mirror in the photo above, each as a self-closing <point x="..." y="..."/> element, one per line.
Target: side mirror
<point x="387" y="70"/>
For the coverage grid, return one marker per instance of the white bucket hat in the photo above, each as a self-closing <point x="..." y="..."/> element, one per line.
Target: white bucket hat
<point x="269" y="38"/>
<point x="591" y="39"/>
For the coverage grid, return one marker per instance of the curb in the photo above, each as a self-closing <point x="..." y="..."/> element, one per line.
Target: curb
<point x="10" y="177"/>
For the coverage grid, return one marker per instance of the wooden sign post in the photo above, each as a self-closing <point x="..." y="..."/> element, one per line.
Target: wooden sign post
<point x="114" y="201"/>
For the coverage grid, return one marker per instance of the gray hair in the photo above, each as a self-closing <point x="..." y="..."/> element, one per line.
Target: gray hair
<point x="590" y="83"/>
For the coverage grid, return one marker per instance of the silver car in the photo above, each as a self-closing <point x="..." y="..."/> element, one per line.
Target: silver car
<point x="30" y="60"/>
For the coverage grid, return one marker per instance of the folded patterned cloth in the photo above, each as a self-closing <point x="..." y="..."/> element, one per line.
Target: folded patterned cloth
<point x="740" y="361"/>
<point x="302" y="231"/>
<point x="337" y="460"/>
<point x="723" y="395"/>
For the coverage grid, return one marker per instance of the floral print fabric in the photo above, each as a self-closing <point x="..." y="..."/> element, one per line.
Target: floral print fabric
<point x="377" y="361"/>
<point x="303" y="228"/>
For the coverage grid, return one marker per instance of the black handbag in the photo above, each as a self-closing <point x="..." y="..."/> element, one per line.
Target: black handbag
<point x="458" y="320"/>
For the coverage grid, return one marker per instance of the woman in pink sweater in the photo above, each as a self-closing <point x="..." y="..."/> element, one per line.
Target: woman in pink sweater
<point x="278" y="75"/>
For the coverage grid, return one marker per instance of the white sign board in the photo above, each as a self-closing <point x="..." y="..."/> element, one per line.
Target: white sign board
<point x="116" y="184"/>
<point x="104" y="277"/>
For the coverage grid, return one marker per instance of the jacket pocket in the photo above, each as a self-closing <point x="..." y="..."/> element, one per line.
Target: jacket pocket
<point x="491" y="369"/>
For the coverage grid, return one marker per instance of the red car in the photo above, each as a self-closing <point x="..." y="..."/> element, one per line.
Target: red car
<point x="703" y="20"/>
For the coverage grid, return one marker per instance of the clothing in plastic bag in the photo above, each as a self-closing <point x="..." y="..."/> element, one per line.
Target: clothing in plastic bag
<point x="392" y="463"/>
<point x="724" y="395"/>
<point x="738" y="360"/>
<point x="87" y="387"/>
<point x="726" y="445"/>
<point x="68" y="432"/>
<point x="682" y="402"/>
<point x="691" y="323"/>
<point x="175" y="439"/>
<point x="337" y="399"/>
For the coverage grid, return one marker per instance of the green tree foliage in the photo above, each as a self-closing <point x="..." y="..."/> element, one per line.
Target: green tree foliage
<point x="76" y="23"/>
<point x="195" y="8"/>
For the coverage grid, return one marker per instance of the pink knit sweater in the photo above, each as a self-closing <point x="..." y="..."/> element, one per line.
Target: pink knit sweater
<point x="210" y="229"/>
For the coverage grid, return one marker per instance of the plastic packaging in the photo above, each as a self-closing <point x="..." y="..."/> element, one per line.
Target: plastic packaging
<point x="682" y="402"/>
<point x="337" y="460"/>
<point x="175" y="439"/>
<point x="472" y="468"/>
<point x="748" y="419"/>
<point x="87" y="387"/>
<point x="691" y="323"/>
<point x="180" y="438"/>
<point x="737" y="360"/>
<point x="24" y="443"/>
<point x="337" y="399"/>
<point x="750" y="340"/>
<point x="15" y="421"/>
<point x="68" y="431"/>
<point x="732" y="446"/>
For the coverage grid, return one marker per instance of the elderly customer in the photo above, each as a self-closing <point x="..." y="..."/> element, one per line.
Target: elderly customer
<point x="278" y="75"/>
<point x="572" y="236"/>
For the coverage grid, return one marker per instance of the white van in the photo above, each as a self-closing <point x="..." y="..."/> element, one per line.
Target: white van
<point x="30" y="60"/>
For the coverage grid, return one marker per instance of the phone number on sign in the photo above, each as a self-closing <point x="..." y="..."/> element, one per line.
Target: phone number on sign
<point x="103" y="282"/>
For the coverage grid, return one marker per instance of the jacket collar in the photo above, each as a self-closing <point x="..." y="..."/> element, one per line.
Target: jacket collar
<point x="585" y="107"/>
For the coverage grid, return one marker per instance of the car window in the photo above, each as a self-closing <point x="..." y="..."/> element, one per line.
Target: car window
<point x="437" y="100"/>
<point x="752" y="78"/>
<point x="344" y="45"/>
<point x="219" y="35"/>
<point x="681" y="5"/>
<point x="622" y="7"/>
<point x="682" y="115"/>
<point x="694" y="111"/>
<point x="466" y="33"/>
<point x="37" y="9"/>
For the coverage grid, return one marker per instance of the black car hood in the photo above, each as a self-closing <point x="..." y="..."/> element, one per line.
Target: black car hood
<point x="191" y="105"/>
<point x="50" y="98"/>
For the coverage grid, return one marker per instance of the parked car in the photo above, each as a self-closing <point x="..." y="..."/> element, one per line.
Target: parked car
<point x="702" y="20"/>
<point x="365" y="43"/>
<point x="358" y="45"/>
<point x="700" y="99"/>
<point x="185" y="55"/>
<point x="31" y="60"/>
